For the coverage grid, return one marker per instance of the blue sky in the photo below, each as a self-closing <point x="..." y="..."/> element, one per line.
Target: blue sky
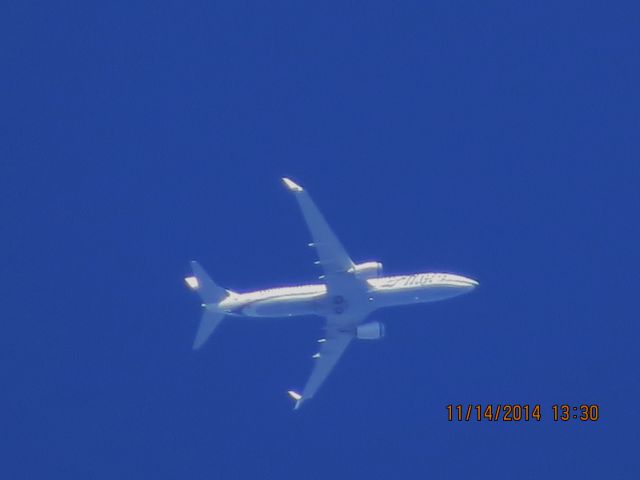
<point x="499" y="141"/>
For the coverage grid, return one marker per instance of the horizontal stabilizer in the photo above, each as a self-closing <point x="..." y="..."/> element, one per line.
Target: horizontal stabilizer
<point x="208" y="323"/>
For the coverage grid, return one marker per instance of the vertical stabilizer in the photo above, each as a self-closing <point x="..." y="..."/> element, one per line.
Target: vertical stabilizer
<point x="206" y="288"/>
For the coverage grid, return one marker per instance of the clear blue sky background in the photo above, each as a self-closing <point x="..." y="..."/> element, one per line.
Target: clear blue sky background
<point x="497" y="140"/>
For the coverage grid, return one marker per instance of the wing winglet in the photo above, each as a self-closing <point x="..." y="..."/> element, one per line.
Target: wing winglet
<point x="297" y="397"/>
<point x="291" y="185"/>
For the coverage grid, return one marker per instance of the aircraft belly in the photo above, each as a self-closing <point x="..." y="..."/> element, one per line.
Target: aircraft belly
<point x="282" y="307"/>
<point x="422" y="294"/>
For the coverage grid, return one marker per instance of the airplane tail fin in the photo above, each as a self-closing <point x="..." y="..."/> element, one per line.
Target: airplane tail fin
<point x="206" y="288"/>
<point x="211" y="295"/>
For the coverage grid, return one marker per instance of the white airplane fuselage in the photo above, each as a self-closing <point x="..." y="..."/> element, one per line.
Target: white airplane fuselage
<point x="380" y="292"/>
<point x="349" y="292"/>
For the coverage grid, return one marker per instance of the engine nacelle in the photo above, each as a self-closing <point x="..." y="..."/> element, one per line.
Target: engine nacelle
<point x="370" y="331"/>
<point x="367" y="270"/>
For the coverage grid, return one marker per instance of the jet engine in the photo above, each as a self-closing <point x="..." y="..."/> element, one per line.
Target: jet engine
<point x="367" y="270"/>
<point x="370" y="331"/>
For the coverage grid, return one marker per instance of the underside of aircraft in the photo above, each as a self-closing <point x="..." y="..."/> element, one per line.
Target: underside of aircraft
<point x="345" y="296"/>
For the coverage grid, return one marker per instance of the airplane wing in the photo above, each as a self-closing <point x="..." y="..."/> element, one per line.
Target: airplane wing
<point x="340" y="330"/>
<point x="332" y="256"/>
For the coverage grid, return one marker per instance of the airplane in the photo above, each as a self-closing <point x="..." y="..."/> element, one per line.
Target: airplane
<point x="347" y="295"/>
